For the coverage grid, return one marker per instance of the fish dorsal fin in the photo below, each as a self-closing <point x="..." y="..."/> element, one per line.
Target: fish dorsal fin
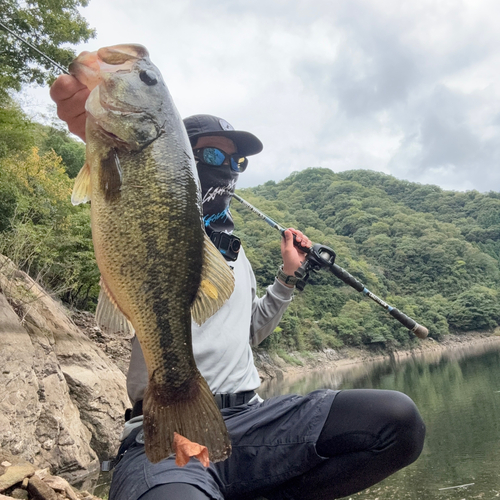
<point x="108" y="315"/>
<point x="81" y="189"/>
<point x="217" y="284"/>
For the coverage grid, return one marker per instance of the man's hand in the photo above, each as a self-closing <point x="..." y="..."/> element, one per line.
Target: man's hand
<point x="293" y="258"/>
<point x="70" y="95"/>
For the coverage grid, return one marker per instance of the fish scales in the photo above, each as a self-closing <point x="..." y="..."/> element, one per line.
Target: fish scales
<point x="154" y="256"/>
<point x="152" y="285"/>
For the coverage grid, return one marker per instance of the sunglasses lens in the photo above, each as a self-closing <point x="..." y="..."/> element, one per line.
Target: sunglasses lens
<point x="239" y="164"/>
<point x="213" y="156"/>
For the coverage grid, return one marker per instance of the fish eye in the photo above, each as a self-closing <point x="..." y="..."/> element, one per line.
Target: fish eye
<point x="148" y="77"/>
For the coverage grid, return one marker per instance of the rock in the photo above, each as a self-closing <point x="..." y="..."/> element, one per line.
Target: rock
<point x="42" y="473"/>
<point x="39" y="490"/>
<point x="58" y="484"/>
<point x="20" y="494"/>
<point x="85" y="495"/>
<point x="6" y="464"/>
<point x="15" y="474"/>
<point x="63" y="399"/>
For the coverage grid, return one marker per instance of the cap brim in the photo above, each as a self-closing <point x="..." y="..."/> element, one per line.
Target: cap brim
<point x="246" y="143"/>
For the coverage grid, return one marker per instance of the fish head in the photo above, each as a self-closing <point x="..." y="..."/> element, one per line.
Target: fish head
<point x="128" y="95"/>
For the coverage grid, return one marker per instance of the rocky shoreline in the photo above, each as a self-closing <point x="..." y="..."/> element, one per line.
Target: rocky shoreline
<point x="20" y="479"/>
<point x="272" y="366"/>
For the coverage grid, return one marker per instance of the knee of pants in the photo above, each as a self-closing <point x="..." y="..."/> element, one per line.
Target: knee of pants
<point x="408" y="426"/>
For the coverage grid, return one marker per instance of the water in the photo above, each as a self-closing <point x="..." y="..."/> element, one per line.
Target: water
<point x="458" y="395"/>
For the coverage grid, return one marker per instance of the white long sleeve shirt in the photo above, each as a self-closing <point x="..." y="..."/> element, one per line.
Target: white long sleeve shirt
<point x="222" y="345"/>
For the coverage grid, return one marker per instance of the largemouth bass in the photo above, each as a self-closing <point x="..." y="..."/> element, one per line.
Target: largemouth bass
<point x="157" y="264"/>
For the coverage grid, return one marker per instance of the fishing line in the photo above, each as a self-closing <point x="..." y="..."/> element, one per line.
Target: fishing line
<point x="2" y="25"/>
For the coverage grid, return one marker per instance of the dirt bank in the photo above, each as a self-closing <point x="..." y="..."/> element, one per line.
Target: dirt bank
<point x="271" y="365"/>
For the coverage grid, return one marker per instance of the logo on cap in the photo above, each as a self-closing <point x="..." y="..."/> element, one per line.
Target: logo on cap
<point x="225" y="125"/>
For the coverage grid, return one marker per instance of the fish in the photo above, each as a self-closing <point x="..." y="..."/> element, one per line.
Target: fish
<point x="159" y="270"/>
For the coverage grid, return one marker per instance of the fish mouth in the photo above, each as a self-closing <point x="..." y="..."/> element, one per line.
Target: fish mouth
<point x="88" y="67"/>
<point x="142" y="130"/>
<point x="98" y="110"/>
<point x="111" y="136"/>
<point x="111" y="105"/>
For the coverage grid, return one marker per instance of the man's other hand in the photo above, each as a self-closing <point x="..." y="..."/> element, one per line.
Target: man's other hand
<point x="293" y="257"/>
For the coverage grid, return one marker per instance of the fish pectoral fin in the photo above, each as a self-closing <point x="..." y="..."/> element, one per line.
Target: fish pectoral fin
<point x="108" y="315"/>
<point x="185" y="449"/>
<point x="217" y="284"/>
<point x="81" y="189"/>
<point x="111" y="177"/>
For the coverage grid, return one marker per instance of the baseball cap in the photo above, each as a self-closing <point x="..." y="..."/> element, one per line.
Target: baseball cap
<point x="202" y="125"/>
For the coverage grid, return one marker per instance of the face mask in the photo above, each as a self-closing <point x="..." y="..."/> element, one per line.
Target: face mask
<point x="217" y="188"/>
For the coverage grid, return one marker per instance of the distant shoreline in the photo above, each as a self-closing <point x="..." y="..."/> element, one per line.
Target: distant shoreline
<point x="271" y="366"/>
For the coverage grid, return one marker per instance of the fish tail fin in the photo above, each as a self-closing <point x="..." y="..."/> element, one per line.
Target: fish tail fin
<point x="192" y="414"/>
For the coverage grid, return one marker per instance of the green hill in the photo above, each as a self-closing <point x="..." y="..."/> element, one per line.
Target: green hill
<point x="432" y="253"/>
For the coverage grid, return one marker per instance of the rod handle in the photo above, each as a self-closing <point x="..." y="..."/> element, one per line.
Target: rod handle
<point x="420" y="331"/>
<point x="347" y="278"/>
<point x="296" y="244"/>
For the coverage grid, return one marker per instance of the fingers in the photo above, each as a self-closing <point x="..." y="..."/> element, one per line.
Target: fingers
<point x="70" y="96"/>
<point x="291" y="252"/>
<point x="300" y="238"/>
<point x="65" y="87"/>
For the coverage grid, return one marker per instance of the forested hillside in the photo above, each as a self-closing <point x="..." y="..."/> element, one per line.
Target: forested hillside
<point x="431" y="253"/>
<point x="434" y="254"/>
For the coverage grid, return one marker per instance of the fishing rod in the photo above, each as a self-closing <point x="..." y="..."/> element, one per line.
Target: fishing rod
<point x="2" y="25"/>
<point x="320" y="256"/>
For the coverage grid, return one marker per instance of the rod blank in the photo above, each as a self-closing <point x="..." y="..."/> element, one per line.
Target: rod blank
<point x="34" y="48"/>
<point x="420" y="331"/>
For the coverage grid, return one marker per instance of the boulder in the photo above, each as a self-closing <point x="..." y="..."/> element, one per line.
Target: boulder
<point x="15" y="474"/>
<point x="63" y="399"/>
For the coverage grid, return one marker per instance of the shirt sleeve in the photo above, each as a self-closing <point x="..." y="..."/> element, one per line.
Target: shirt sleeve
<point x="268" y="310"/>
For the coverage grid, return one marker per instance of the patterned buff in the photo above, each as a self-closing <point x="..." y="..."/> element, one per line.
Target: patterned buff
<point x="217" y="188"/>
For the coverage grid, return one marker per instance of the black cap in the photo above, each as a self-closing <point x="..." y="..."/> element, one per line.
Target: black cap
<point x="202" y="125"/>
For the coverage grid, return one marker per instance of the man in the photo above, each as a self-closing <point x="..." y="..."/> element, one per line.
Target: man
<point x="327" y="444"/>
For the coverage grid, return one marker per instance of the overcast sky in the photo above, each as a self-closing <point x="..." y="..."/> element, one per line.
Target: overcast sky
<point x="411" y="89"/>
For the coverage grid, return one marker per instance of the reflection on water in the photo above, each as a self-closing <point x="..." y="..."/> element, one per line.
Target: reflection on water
<point x="458" y="394"/>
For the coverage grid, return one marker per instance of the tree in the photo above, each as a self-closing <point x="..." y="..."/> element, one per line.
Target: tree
<point x="475" y="309"/>
<point x="46" y="24"/>
<point x="71" y="151"/>
<point x="15" y="128"/>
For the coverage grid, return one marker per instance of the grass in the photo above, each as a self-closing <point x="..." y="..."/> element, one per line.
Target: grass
<point x="289" y="358"/>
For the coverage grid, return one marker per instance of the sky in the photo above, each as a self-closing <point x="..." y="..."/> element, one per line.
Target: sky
<point x="411" y="89"/>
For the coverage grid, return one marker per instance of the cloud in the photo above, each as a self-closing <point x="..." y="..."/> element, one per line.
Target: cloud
<point x="407" y="88"/>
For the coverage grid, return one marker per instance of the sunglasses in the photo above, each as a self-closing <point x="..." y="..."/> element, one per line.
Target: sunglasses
<point x="217" y="157"/>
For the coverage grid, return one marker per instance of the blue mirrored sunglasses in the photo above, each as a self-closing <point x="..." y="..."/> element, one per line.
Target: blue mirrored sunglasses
<point x="217" y="157"/>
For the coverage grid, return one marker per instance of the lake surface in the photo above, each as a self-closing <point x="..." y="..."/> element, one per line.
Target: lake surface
<point x="458" y="394"/>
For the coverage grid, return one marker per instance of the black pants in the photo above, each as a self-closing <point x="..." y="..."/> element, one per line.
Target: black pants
<point x="368" y="435"/>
